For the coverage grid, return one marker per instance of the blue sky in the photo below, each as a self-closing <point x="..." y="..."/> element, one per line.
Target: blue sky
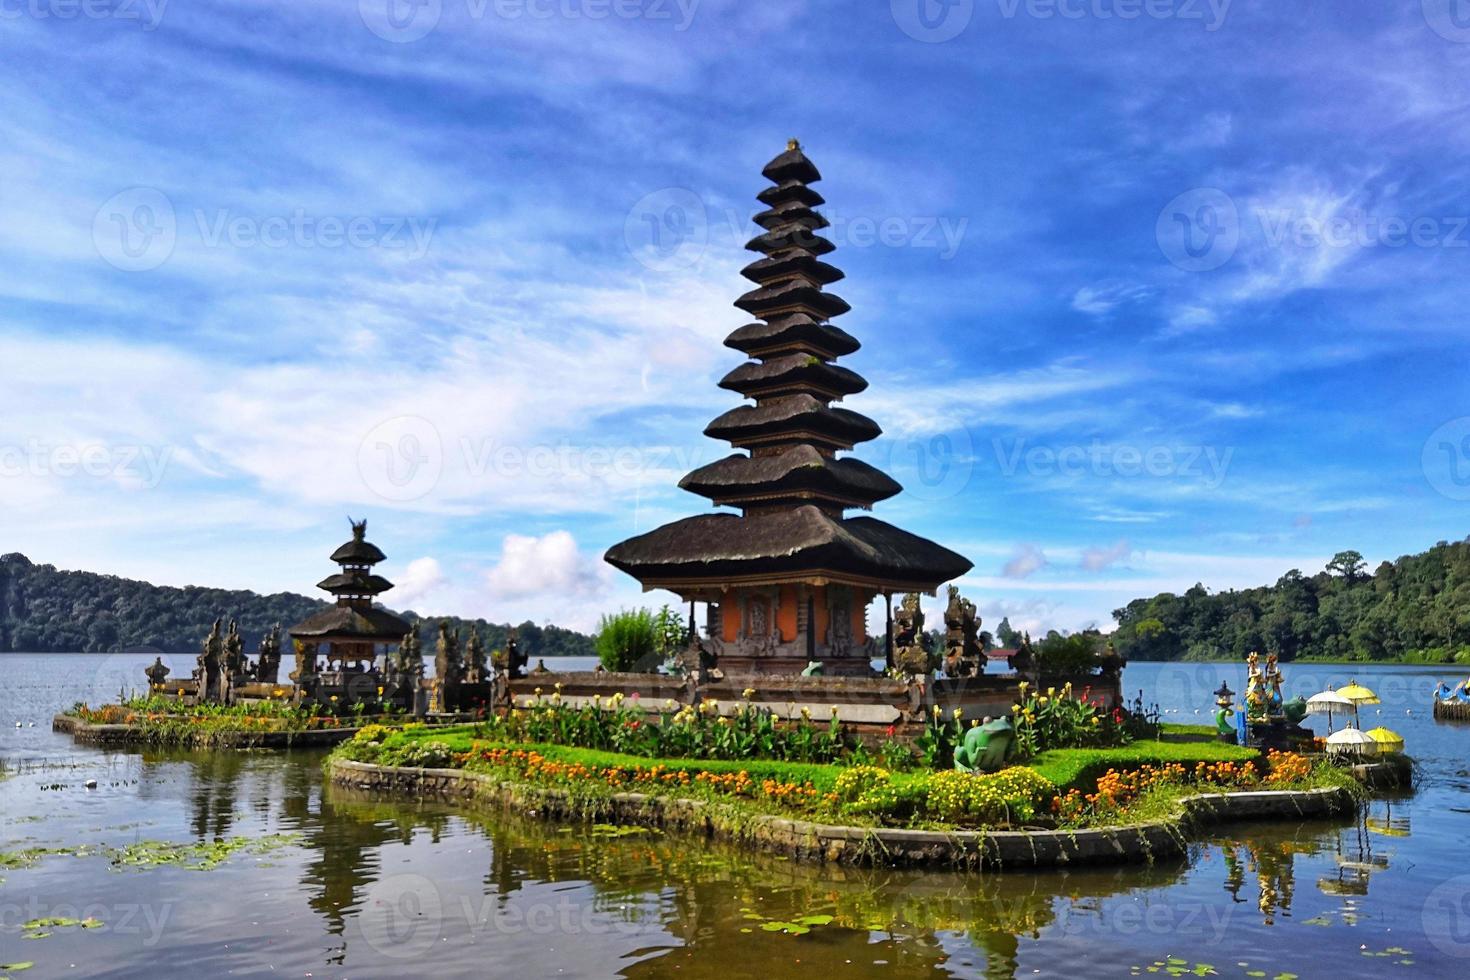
<point x="1151" y="292"/>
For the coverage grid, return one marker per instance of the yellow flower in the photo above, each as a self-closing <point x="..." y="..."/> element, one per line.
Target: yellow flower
<point x="748" y="693"/>
<point x="958" y="713"/>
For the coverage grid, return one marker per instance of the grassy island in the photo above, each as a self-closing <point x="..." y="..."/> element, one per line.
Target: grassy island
<point x="747" y="764"/>
<point x="157" y="720"/>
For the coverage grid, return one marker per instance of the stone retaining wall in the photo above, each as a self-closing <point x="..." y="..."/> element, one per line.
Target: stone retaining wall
<point x="880" y="846"/>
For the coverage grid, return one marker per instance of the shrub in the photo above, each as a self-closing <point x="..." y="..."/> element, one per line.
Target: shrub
<point x="1062" y="719"/>
<point x="429" y="754"/>
<point x="1011" y="796"/>
<point x="857" y="780"/>
<point x="372" y="733"/>
<point x="627" y="638"/>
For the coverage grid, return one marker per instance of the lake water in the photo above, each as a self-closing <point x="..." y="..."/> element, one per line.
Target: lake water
<point x="370" y="889"/>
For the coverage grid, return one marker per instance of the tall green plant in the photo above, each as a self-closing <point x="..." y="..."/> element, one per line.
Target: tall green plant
<point x="625" y="638"/>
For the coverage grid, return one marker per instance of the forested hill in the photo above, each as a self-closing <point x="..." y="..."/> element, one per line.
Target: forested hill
<point x="43" y="610"/>
<point x="1416" y="609"/>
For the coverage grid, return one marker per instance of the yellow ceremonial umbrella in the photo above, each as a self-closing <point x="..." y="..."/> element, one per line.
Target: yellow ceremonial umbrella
<point x="1388" y="741"/>
<point x="1358" y="695"/>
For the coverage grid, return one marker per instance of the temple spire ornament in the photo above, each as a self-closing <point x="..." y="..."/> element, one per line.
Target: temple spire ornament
<point x="791" y="573"/>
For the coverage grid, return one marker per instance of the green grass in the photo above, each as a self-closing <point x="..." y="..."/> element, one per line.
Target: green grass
<point x="1174" y="728"/>
<point x="1080" y="768"/>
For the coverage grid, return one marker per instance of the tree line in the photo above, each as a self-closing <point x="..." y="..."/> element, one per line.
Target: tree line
<point x="46" y="610"/>
<point x="1415" y="609"/>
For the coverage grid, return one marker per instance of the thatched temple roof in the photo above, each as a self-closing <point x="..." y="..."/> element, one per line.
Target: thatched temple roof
<point x="791" y="486"/>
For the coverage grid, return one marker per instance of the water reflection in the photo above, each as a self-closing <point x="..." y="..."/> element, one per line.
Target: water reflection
<point x="685" y="900"/>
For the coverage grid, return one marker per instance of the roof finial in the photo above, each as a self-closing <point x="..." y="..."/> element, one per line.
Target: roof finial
<point x="793" y="144"/>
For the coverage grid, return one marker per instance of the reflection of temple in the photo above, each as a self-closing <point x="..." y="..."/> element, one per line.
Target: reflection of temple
<point x="788" y="580"/>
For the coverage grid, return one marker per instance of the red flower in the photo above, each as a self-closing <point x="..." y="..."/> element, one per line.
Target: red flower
<point x="634" y="724"/>
<point x="890" y="731"/>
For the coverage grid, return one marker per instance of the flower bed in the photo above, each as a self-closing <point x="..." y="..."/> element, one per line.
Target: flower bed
<point x="1017" y="797"/>
<point x="169" y="721"/>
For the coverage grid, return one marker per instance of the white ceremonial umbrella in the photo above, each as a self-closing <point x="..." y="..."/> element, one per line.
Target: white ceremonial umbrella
<point x="1325" y="703"/>
<point x="1351" y="741"/>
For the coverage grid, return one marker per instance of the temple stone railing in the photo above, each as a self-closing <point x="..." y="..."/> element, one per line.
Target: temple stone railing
<point x="875" y="702"/>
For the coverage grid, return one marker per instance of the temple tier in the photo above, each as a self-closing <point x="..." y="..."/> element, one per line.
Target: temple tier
<point x="788" y="580"/>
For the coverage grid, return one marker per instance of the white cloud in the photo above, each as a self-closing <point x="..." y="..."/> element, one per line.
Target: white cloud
<point x="417" y="582"/>
<point x="1027" y="561"/>
<point x="1097" y="559"/>
<point x="1102" y="298"/>
<point x="550" y="564"/>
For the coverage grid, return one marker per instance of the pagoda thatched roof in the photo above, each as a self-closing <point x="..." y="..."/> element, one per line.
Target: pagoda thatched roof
<point x="347" y="623"/>
<point x="791" y="166"/>
<point x="799" y="472"/>
<point x="793" y="371"/>
<point x="791" y="487"/>
<point x="358" y="551"/>
<point x="801" y="544"/>
<point x="797" y="332"/>
<point x="355" y="583"/>
<point x="801" y="416"/>
<point x="790" y="190"/>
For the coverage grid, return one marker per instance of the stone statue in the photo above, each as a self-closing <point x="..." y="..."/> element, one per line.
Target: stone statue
<point x="515" y="660"/>
<point x="1023" y="661"/>
<point x="448" y="668"/>
<point x="157" y="673"/>
<point x="476" y="671"/>
<point x="1274" y="700"/>
<point x="909" y="654"/>
<point x="447" y="662"/>
<point x="233" y="672"/>
<point x="410" y="659"/>
<point x="211" y="665"/>
<point x="268" y="664"/>
<point x="963" y="656"/>
<point x="305" y="674"/>
<point x="1255" y="687"/>
<point x="1112" y="663"/>
<point x="696" y="661"/>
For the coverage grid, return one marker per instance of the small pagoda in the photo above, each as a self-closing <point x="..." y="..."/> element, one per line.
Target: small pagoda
<point x="788" y="580"/>
<point x="353" y="629"/>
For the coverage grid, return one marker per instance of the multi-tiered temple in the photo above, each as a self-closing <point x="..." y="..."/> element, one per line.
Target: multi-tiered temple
<point x="788" y="580"/>
<point x="353" y="630"/>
